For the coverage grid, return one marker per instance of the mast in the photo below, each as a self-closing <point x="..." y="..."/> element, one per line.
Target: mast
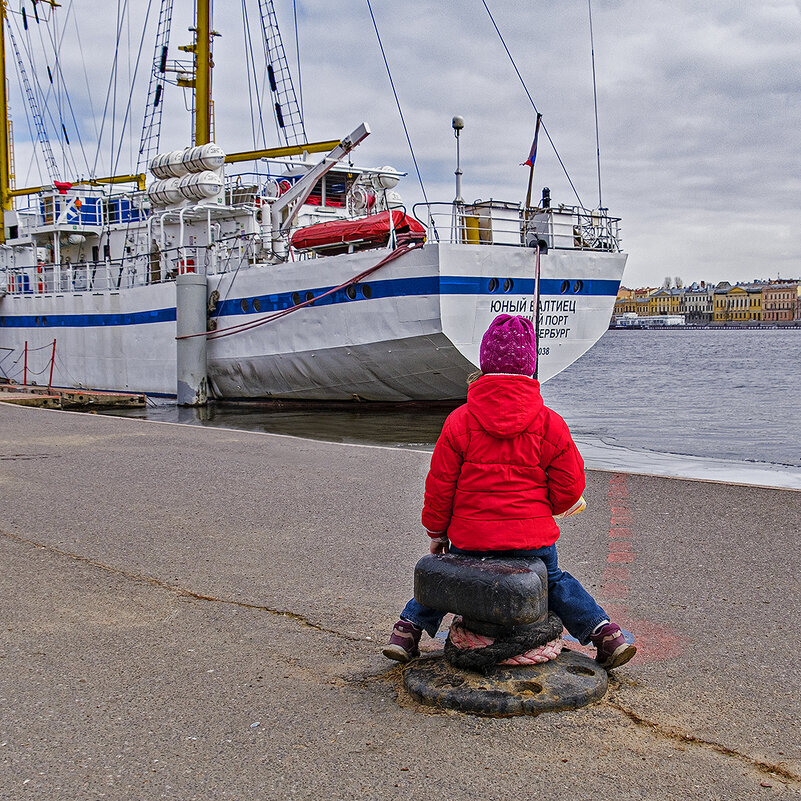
<point x="5" y="149"/>
<point x="203" y="72"/>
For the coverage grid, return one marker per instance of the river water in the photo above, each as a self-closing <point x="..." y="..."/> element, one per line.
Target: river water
<point x="717" y="405"/>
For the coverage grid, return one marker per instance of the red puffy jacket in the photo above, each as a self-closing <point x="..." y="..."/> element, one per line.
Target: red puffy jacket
<point x="503" y="465"/>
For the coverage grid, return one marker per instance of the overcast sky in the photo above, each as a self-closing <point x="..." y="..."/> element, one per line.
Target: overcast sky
<point x="699" y="108"/>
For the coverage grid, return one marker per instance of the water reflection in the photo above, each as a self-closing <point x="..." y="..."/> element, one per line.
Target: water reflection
<point x="404" y="426"/>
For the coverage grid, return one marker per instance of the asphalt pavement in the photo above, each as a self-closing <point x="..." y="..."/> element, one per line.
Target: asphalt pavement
<point x="194" y="613"/>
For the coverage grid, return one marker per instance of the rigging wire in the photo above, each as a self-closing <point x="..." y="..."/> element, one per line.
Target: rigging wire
<point x="108" y="96"/>
<point x="85" y="76"/>
<point x="533" y="105"/>
<point x="251" y="66"/>
<point x="397" y="101"/>
<point x="116" y="161"/>
<point x="41" y="97"/>
<point x="32" y="134"/>
<point x="132" y="81"/>
<point x="297" y="54"/>
<point x="115" y="72"/>
<point x="60" y="91"/>
<point x="247" y="51"/>
<point x="60" y="73"/>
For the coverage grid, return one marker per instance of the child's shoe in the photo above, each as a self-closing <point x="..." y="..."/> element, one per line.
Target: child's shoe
<point x="613" y="650"/>
<point x="403" y="642"/>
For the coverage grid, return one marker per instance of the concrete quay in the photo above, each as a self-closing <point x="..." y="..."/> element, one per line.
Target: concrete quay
<point x="193" y="613"/>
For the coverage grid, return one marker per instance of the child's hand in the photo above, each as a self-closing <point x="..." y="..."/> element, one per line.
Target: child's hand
<point x="579" y="506"/>
<point x="439" y="545"/>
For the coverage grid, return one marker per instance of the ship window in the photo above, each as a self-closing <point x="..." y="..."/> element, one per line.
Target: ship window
<point x="367" y="291"/>
<point x="336" y="188"/>
<point x="256" y="304"/>
<point x="330" y="190"/>
<point x="295" y="299"/>
<point x="310" y="296"/>
<point x="578" y="286"/>
<point x="493" y="284"/>
<point x="351" y="292"/>
<point x="508" y="284"/>
<point x="244" y="305"/>
<point x="565" y="286"/>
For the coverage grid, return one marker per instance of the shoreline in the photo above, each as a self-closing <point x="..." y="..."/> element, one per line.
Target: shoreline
<point x="598" y="454"/>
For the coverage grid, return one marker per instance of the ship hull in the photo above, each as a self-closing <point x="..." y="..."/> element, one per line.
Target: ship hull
<point x="409" y="331"/>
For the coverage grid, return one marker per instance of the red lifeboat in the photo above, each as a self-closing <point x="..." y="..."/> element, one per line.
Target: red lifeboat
<point x="340" y="236"/>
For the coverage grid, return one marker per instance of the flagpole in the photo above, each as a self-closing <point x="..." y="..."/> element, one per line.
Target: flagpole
<point x="531" y="159"/>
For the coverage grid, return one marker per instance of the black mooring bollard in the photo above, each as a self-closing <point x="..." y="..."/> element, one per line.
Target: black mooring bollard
<point x="492" y="595"/>
<point x="506" y="599"/>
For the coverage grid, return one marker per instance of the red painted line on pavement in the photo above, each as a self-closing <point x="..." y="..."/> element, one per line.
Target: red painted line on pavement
<point x="654" y="641"/>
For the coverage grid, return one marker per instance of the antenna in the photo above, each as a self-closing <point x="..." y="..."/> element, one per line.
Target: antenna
<point x="458" y="125"/>
<point x="595" y="102"/>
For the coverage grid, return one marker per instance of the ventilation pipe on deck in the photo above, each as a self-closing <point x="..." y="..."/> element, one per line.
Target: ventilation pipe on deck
<point x="190" y="318"/>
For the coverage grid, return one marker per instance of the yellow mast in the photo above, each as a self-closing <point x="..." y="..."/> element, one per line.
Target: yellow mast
<point x="203" y="72"/>
<point x="5" y="170"/>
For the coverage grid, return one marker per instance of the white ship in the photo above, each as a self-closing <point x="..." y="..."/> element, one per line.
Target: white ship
<point x="312" y="280"/>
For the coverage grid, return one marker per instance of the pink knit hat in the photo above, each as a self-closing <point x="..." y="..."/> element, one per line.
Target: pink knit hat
<point x="509" y="346"/>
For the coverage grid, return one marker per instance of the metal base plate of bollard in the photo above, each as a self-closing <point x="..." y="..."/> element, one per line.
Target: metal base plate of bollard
<point x="570" y="681"/>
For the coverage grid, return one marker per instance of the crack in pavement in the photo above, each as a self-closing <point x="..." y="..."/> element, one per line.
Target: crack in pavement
<point x="182" y="591"/>
<point x="775" y="771"/>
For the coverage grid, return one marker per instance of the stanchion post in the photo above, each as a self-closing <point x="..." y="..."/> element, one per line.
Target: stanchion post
<point x="52" y="364"/>
<point x="25" y="366"/>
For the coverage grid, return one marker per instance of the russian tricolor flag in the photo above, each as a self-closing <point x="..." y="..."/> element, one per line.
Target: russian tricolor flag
<point x="533" y="154"/>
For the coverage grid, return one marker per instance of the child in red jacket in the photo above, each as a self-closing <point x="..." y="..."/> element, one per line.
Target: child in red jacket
<point x="503" y="467"/>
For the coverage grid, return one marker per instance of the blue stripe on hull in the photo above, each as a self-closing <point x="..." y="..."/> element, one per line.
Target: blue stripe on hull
<point x="395" y="287"/>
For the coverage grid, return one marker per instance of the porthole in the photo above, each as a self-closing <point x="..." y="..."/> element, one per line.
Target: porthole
<point x="295" y="299"/>
<point x="508" y="285"/>
<point x="44" y="320"/>
<point x="367" y="291"/>
<point x="310" y="297"/>
<point x="351" y="292"/>
<point x="244" y="305"/>
<point x="578" y="286"/>
<point x="256" y="304"/>
<point x="564" y="287"/>
<point x="493" y="284"/>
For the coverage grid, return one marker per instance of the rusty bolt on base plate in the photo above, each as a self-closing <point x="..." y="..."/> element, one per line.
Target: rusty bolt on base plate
<point x="570" y="681"/>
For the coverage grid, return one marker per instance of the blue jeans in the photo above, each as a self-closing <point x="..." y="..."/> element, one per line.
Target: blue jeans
<point x="575" y="607"/>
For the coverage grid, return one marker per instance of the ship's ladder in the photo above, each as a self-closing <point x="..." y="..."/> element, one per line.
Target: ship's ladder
<point x="288" y="115"/>
<point x="41" y="131"/>
<point x="151" y="125"/>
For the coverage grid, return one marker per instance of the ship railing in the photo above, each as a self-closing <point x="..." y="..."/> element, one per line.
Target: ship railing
<point x="84" y="209"/>
<point x="225" y="255"/>
<point x="110" y="275"/>
<point x="495" y="222"/>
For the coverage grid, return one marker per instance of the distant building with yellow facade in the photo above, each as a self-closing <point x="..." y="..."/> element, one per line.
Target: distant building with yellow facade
<point x="665" y="301"/>
<point x="737" y="304"/>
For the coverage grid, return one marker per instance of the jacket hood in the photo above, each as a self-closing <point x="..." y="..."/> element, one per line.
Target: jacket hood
<point x="504" y="405"/>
